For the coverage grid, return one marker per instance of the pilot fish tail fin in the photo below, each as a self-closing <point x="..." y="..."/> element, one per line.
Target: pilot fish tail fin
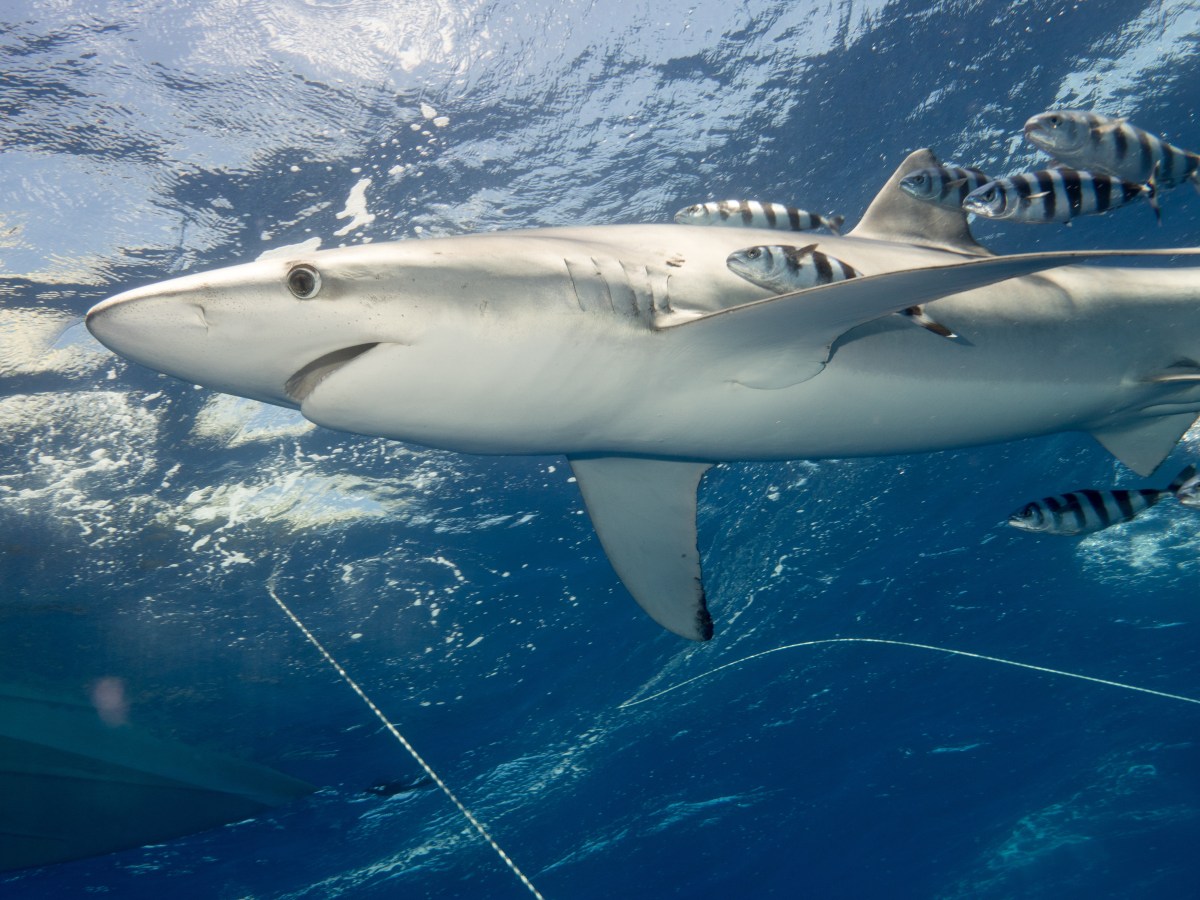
<point x="1151" y="187"/>
<point x="919" y="317"/>
<point x="1182" y="480"/>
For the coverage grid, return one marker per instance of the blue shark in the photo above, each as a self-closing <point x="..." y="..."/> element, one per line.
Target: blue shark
<point x="634" y="351"/>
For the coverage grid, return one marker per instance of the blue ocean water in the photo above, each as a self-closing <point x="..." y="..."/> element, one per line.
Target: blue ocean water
<point x="142" y="520"/>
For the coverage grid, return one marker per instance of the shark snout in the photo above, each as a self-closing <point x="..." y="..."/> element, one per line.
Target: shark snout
<point x="200" y="331"/>
<point x="143" y="322"/>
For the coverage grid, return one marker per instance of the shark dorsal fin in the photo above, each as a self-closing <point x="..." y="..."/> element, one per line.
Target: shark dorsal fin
<point x="895" y="216"/>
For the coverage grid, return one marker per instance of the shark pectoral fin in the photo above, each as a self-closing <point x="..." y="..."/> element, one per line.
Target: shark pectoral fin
<point x="787" y="339"/>
<point x="644" y="512"/>
<point x="1144" y="444"/>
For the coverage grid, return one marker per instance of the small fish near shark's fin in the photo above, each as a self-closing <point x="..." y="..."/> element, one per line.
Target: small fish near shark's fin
<point x="784" y="340"/>
<point x="1145" y="444"/>
<point x="919" y="317"/>
<point x="895" y="216"/>
<point x="644" y="512"/>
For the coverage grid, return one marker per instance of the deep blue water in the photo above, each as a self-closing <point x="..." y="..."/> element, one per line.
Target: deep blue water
<point x="141" y="519"/>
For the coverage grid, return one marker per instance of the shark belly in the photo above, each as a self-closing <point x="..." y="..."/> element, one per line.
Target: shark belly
<point x="570" y="384"/>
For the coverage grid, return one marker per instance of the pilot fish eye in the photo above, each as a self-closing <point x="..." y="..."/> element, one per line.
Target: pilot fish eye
<point x="989" y="194"/>
<point x="304" y="281"/>
<point x="753" y="253"/>
<point x="1054" y="120"/>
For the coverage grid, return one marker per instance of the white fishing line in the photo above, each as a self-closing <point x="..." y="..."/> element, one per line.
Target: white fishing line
<point x="995" y="659"/>
<point x="467" y="814"/>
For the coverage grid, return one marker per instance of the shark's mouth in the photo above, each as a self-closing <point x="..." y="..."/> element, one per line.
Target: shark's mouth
<point x="304" y="381"/>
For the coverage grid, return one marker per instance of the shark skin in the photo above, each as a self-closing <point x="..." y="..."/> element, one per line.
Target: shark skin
<point x="634" y="350"/>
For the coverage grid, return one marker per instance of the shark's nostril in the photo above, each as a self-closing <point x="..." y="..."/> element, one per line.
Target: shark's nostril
<point x="203" y="315"/>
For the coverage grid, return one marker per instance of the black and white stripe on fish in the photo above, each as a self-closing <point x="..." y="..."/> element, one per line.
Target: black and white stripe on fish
<point x="1086" y="511"/>
<point x="1055" y="195"/>
<point x="753" y="214"/>
<point x="783" y="268"/>
<point x="1097" y="143"/>
<point x="943" y="185"/>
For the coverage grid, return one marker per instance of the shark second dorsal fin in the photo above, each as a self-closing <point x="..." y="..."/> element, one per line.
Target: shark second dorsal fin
<point x="895" y="216"/>
<point x="1145" y="444"/>
<point x="644" y="512"/>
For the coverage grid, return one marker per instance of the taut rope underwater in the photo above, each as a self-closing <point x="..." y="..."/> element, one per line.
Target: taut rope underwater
<point x="395" y="732"/>
<point x="852" y="640"/>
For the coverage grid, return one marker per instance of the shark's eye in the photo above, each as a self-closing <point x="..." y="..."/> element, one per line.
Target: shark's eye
<point x="304" y="281"/>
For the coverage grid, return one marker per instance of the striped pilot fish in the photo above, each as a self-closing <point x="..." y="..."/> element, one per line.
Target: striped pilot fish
<point x="1087" y="140"/>
<point x="783" y="269"/>
<point x="1055" y="195"/>
<point x="943" y="185"/>
<point x="1082" y="512"/>
<point x="1189" y="493"/>
<point x="752" y="214"/>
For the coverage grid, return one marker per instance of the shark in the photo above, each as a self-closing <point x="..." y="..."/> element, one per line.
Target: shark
<point x="637" y="353"/>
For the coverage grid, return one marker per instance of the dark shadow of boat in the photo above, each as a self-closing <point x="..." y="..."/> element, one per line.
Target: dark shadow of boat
<point x="73" y="785"/>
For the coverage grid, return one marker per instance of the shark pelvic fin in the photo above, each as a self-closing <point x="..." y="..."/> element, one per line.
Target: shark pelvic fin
<point x="644" y="512"/>
<point x="1146" y="443"/>
<point x="895" y="216"/>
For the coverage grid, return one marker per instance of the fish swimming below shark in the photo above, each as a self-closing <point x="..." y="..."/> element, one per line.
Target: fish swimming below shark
<point x="634" y="351"/>
<point x="1089" y="510"/>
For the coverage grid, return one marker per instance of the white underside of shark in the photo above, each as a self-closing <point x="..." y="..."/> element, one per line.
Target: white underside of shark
<point x="634" y="350"/>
